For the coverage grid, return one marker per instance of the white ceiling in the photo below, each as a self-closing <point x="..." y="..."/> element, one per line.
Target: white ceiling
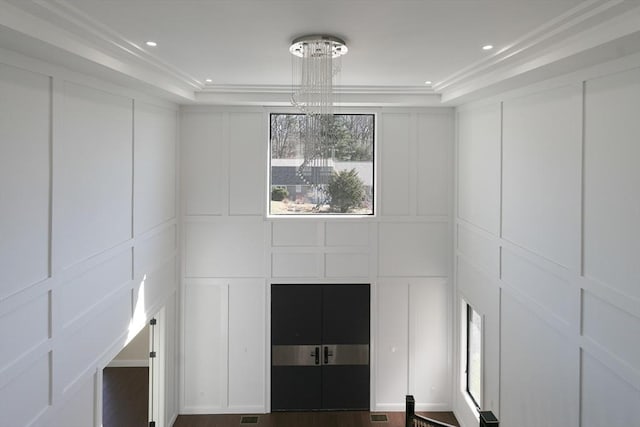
<point x="242" y="44"/>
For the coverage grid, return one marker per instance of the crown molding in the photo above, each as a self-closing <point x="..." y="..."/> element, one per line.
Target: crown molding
<point x="592" y="32"/>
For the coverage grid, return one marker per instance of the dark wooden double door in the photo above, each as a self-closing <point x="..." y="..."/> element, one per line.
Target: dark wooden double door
<point x="320" y="347"/>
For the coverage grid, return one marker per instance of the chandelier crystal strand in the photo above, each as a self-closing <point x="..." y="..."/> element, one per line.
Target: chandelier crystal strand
<point x="315" y="63"/>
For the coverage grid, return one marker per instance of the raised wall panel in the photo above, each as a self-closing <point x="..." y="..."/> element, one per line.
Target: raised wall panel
<point x="481" y="250"/>
<point x="551" y="292"/>
<point x="542" y="143"/>
<point x="413" y="249"/>
<point x="295" y="265"/>
<point x="294" y="233"/>
<point x="93" y="174"/>
<point x="247" y="344"/>
<point x="435" y="137"/>
<point x="612" y="181"/>
<point x="205" y="345"/>
<point x="479" y="167"/>
<point x="203" y="163"/>
<point x="149" y="253"/>
<point x="78" y="409"/>
<point x="154" y="166"/>
<point x="476" y="287"/>
<point x="23" y="329"/>
<point x="612" y="328"/>
<point x="394" y="160"/>
<point x="83" y="292"/>
<point x="158" y="284"/>
<point x="81" y="346"/>
<point x="347" y="233"/>
<point x="25" y="125"/>
<point x="225" y="249"/>
<point x="347" y="265"/>
<point x="392" y="345"/>
<point x="429" y="378"/>
<point x="607" y="399"/>
<point x="26" y="396"/>
<point x="247" y="163"/>
<point x="539" y="373"/>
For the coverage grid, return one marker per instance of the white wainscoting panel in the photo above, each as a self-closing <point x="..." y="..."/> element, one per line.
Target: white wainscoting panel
<point x="612" y="182"/>
<point x="203" y="163"/>
<point x="225" y="249"/>
<point x="296" y="265"/>
<point x="154" y="249"/>
<point x="92" y="209"/>
<point x="347" y="265"/>
<point x="413" y="249"/>
<point x="480" y="249"/>
<point x="247" y="163"/>
<point x="26" y="397"/>
<point x="78" y="409"/>
<point x="551" y="292"/>
<point x="83" y="292"/>
<point x="347" y="233"/>
<point x="23" y="329"/>
<point x="205" y="356"/>
<point x="479" y="167"/>
<point x="25" y="111"/>
<point x="154" y="166"/>
<point x="542" y="143"/>
<point x="392" y="345"/>
<point x="612" y="328"/>
<point x="434" y="152"/>
<point x="294" y="233"/>
<point x="599" y="384"/>
<point x="429" y="354"/>
<point x="247" y="354"/>
<point x="395" y="158"/>
<point x="540" y="370"/>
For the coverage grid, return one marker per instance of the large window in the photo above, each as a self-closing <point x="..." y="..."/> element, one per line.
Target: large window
<point x="342" y="184"/>
<point x="474" y="355"/>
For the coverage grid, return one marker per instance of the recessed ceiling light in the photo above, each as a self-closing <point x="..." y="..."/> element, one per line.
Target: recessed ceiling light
<point x="208" y="80"/>
<point x="151" y="43"/>
<point x="487" y="47"/>
<point x="428" y="82"/>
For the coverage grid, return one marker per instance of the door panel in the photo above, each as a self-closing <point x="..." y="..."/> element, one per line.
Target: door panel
<point x="320" y="347"/>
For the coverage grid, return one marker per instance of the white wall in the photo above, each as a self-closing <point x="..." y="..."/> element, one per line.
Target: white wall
<point x="547" y="249"/>
<point x="232" y="253"/>
<point x="88" y="235"/>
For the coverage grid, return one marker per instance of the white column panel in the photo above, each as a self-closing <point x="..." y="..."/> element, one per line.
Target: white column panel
<point x="204" y="162"/>
<point x="25" y="126"/>
<point x="93" y="173"/>
<point x="392" y="345"/>
<point x="247" y="346"/>
<point x="394" y="150"/>
<point x="247" y="163"/>
<point x="154" y="166"/>
<point x="542" y="143"/>
<point x="435" y="145"/>
<point x="479" y="167"/>
<point x="205" y="347"/>
<point x="612" y="182"/>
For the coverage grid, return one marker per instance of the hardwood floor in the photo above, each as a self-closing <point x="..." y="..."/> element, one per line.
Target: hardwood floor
<point x="308" y="419"/>
<point x="125" y="397"/>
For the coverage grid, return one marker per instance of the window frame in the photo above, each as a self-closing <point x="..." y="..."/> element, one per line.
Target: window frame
<point x="326" y="215"/>
<point x="476" y="400"/>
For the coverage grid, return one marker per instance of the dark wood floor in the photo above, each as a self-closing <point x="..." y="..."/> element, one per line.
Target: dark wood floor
<point x="125" y="400"/>
<point x="308" y="419"/>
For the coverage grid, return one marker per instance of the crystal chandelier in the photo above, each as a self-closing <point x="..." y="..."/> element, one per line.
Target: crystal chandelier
<point x="315" y="63"/>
